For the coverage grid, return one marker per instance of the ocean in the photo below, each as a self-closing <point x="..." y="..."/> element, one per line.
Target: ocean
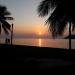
<point x="55" y="43"/>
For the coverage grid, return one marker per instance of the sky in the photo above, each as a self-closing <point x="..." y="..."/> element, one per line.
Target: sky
<point x="26" y="19"/>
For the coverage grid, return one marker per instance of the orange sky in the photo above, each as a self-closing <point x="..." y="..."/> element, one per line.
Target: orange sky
<point x="26" y="16"/>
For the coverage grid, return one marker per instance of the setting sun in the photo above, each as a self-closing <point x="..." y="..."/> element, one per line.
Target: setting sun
<point x="40" y="33"/>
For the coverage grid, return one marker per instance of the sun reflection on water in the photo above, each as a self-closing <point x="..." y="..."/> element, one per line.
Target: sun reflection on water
<point x="39" y="42"/>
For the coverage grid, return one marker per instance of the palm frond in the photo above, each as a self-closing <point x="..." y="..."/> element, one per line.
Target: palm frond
<point x="62" y="15"/>
<point x="6" y="24"/>
<point x="6" y="13"/>
<point x="57" y="21"/>
<point x="3" y="8"/>
<point x="44" y="8"/>
<point x="4" y="16"/>
<point x="9" y="18"/>
<point x="5" y="30"/>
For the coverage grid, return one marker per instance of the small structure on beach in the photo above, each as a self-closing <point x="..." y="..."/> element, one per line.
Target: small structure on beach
<point x="72" y="37"/>
<point x="7" y="41"/>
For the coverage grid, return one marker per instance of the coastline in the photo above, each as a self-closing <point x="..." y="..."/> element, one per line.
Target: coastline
<point x="34" y="51"/>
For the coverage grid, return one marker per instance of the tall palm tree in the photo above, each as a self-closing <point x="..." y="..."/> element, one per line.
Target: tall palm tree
<point x="63" y="12"/>
<point x="11" y="34"/>
<point x="4" y="16"/>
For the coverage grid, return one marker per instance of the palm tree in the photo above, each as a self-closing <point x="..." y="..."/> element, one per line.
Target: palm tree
<point x="4" y="16"/>
<point x="62" y="14"/>
<point x="11" y="33"/>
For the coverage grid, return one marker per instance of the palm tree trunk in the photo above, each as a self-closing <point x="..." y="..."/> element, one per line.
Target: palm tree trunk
<point x="11" y="33"/>
<point x="70" y="36"/>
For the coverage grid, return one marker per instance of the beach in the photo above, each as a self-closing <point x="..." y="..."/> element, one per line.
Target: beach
<point x="37" y="36"/>
<point x="39" y="59"/>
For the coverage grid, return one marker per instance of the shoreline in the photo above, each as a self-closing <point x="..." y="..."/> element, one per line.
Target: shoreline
<point x="24" y="50"/>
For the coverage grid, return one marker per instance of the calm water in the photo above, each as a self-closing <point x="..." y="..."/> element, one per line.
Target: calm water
<point x="57" y="43"/>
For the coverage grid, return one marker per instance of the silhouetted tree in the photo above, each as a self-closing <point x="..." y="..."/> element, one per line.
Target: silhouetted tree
<point x="4" y="16"/>
<point x="62" y="14"/>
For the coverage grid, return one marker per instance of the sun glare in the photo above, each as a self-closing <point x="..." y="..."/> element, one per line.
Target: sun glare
<point x="40" y="33"/>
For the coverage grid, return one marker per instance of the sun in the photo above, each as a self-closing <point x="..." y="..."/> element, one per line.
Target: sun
<point x="40" y="33"/>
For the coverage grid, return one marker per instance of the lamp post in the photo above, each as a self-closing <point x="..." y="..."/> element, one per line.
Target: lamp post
<point x="11" y="34"/>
